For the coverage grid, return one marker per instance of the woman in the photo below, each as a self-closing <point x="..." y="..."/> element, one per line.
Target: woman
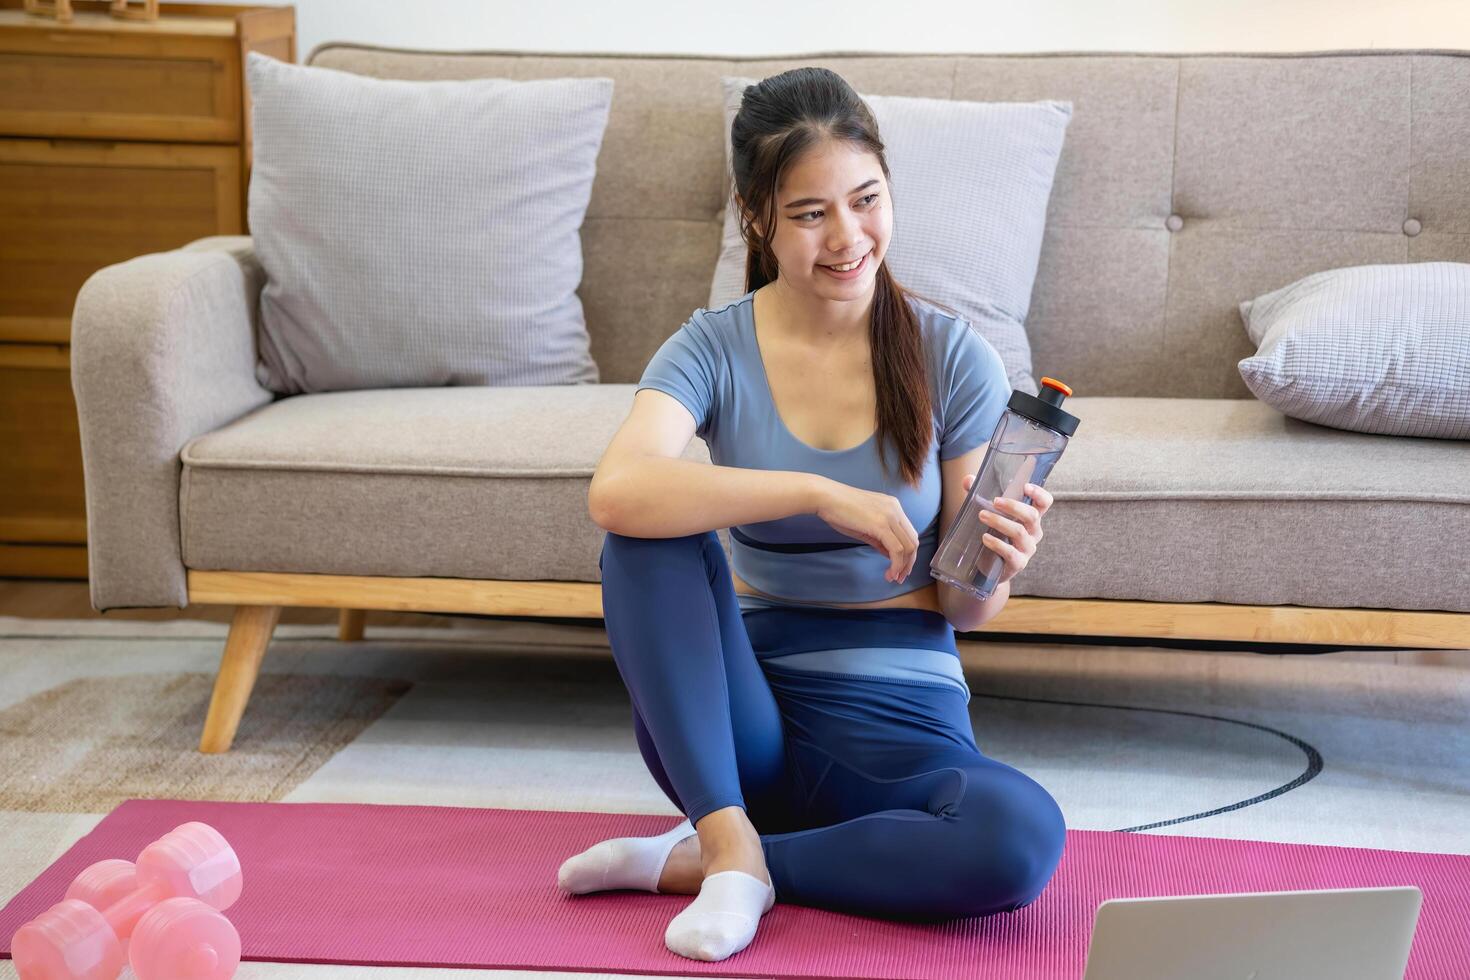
<point x="820" y="747"/>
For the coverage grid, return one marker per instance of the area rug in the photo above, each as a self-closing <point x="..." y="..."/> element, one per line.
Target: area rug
<point x="394" y="885"/>
<point x="89" y="743"/>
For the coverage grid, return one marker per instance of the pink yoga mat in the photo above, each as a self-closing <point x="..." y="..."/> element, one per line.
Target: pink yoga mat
<point x="452" y="886"/>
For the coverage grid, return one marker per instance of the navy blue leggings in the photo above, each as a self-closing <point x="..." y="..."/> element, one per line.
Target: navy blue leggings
<point x="869" y="793"/>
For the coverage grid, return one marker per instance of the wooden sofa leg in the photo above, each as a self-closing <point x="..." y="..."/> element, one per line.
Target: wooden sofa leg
<point x="250" y="634"/>
<point x="349" y="626"/>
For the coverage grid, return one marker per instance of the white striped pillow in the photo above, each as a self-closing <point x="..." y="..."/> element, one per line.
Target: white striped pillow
<point x="1370" y="348"/>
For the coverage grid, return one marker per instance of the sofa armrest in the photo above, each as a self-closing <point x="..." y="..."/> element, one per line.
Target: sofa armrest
<point x="163" y="349"/>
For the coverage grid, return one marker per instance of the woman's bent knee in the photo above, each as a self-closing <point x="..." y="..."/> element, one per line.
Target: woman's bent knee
<point x="1014" y="835"/>
<point x="627" y="549"/>
<point x="623" y="543"/>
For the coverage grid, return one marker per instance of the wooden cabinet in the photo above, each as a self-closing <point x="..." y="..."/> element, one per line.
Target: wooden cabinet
<point x="117" y="138"/>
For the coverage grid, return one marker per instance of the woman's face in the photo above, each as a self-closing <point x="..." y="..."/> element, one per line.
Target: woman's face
<point x="832" y="208"/>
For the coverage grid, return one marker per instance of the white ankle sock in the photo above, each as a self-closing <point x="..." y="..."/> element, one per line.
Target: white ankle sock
<point x="623" y="862"/>
<point x="722" y="919"/>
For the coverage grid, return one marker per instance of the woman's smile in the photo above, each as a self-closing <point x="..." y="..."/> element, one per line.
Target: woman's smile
<point x="851" y="273"/>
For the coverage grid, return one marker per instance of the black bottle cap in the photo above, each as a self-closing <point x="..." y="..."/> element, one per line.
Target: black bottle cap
<point x="1045" y="408"/>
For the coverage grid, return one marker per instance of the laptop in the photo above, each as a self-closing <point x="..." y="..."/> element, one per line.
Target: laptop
<point x="1332" y="934"/>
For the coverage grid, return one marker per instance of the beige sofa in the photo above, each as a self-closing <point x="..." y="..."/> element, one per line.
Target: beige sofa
<point x="1184" y="507"/>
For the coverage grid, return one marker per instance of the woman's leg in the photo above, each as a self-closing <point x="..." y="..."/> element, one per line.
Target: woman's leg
<point x="906" y="818"/>
<point x="704" y="717"/>
<point x="915" y="823"/>
<point x="712" y="735"/>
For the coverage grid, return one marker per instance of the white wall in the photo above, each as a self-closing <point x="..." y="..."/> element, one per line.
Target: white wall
<point x="794" y="27"/>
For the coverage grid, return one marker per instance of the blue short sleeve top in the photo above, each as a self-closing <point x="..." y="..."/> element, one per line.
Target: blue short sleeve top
<point x="712" y="365"/>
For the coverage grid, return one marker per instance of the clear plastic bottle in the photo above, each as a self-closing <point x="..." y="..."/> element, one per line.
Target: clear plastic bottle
<point x="1029" y="438"/>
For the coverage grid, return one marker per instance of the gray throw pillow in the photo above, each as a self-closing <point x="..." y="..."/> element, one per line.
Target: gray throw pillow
<point x="1371" y="348"/>
<point x="971" y="181"/>
<point x="421" y="233"/>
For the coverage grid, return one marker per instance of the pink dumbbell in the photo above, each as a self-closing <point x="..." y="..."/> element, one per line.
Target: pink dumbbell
<point x="168" y="905"/>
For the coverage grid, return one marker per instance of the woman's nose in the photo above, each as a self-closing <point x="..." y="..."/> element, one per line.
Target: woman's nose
<point x="845" y="234"/>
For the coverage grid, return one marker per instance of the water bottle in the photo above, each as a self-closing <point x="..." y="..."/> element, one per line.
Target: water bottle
<point x="1028" y="440"/>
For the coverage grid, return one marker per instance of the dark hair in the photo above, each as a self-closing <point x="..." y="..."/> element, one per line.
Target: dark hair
<point x="780" y="119"/>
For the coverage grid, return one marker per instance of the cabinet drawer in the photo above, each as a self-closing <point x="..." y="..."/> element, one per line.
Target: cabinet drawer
<point x="68" y="208"/>
<point x="105" y="83"/>
<point x="42" y="499"/>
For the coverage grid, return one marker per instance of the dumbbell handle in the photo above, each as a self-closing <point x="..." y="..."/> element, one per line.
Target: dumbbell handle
<point x="123" y="914"/>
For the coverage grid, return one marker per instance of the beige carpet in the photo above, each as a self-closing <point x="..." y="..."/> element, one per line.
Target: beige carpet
<point x="1366" y="749"/>
<point x="88" y="744"/>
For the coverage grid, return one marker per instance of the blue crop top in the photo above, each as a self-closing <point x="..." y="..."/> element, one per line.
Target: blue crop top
<point x="712" y="365"/>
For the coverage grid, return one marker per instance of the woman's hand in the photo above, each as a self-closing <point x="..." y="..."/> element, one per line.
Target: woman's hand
<point x="876" y="518"/>
<point x="1024" y="531"/>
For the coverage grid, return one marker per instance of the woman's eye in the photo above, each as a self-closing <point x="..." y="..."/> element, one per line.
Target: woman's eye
<point x="873" y="198"/>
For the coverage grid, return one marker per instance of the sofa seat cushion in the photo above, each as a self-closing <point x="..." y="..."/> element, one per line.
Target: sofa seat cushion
<point x="464" y="482"/>
<point x="1229" y="500"/>
<point x="1172" y="500"/>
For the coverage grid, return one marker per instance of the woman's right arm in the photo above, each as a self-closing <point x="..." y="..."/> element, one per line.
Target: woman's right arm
<point x="644" y="489"/>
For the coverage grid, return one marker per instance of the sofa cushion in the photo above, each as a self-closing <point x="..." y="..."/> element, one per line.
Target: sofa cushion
<point x="421" y="233"/>
<point x="468" y="482"/>
<point x="1373" y="348"/>
<point x="970" y="186"/>
<point x="1172" y="500"/>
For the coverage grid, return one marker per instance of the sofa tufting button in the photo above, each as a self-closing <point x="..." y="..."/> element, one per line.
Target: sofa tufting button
<point x="1173" y="222"/>
<point x="1412" y="227"/>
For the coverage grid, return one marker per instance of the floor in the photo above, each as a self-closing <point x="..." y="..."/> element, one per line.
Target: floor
<point x="1267" y="743"/>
